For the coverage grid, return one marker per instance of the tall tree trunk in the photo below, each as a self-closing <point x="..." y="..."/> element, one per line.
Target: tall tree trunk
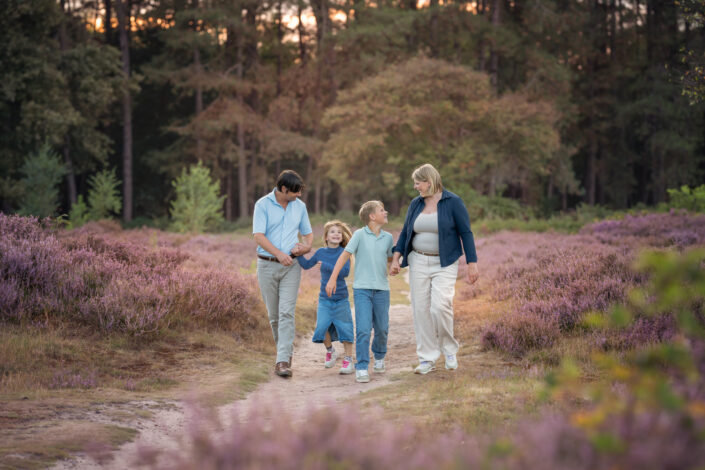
<point x="591" y="173"/>
<point x="70" y="175"/>
<point x="108" y="6"/>
<point x="199" y="86"/>
<point x="198" y="98"/>
<point x="308" y="178"/>
<point x="124" y="27"/>
<point x="613" y="31"/>
<point x="66" y="149"/>
<point x="302" y="32"/>
<point x="241" y="157"/>
<point x="494" y="56"/>
<point x="433" y="29"/>
<point x="319" y="194"/>
<point x="229" y="191"/>
<point x="280" y="46"/>
<point x="482" y="46"/>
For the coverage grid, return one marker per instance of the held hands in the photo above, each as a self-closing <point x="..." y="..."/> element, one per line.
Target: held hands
<point x="394" y="267"/>
<point x="300" y="249"/>
<point x="473" y="274"/>
<point x="330" y="287"/>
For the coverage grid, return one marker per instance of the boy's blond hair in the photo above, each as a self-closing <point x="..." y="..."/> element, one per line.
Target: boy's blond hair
<point x="428" y="174"/>
<point x="367" y="209"/>
<point x="347" y="233"/>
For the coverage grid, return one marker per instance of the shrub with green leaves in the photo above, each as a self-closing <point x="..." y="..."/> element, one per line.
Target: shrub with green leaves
<point x="79" y="213"/>
<point x="103" y="195"/>
<point x="686" y="198"/>
<point x="42" y="175"/>
<point x="198" y="205"/>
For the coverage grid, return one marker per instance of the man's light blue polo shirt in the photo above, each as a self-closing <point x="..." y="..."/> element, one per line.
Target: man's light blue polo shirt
<point x="371" y="253"/>
<point x="280" y="226"/>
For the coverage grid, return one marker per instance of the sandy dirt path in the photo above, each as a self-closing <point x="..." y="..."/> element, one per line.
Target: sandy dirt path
<point x="311" y="387"/>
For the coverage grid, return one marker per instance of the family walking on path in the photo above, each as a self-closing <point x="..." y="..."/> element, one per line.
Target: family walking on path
<point x="435" y="234"/>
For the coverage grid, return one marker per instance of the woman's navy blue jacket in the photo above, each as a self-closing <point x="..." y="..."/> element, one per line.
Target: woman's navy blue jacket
<point x="453" y="226"/>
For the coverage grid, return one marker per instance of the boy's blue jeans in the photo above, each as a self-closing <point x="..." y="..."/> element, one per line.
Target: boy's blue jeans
<point x="371" y="311"/>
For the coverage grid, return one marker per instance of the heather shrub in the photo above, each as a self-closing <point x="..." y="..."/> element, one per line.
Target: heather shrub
<point x="198" y="206"/>
<point x="645" y="407"/>
<point x="42" y="175"/>
<point x="553" y="288"/>
<point x="342" y="437"/>
<point x="112" y="286"/>
<point x="674" y="228"/>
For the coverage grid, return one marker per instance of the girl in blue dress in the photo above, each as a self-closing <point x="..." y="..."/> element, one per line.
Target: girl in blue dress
<point x="333" y="318"/>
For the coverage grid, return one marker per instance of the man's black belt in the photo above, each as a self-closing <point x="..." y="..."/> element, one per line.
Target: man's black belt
<point x="271" y="258"/>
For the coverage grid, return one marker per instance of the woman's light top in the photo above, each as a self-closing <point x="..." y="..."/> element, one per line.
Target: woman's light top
<point x="426" y="233"/>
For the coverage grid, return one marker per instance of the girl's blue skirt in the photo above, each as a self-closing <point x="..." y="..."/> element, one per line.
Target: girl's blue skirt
<point x="335" y="317"/>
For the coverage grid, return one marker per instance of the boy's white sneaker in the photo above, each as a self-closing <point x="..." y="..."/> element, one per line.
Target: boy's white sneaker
<point x="379" y="366"/>
<point x="451" y="362"/>
<point x="330" y="358"/>
<point x="347" y="367"/>
<point x="424" y="368"/>
<point x="362" y="376"/>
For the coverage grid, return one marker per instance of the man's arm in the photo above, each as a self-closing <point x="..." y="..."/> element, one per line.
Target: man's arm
<point x="264" y="242"/>
<point x="304" y="247"/>
<point x="342" y="259"/>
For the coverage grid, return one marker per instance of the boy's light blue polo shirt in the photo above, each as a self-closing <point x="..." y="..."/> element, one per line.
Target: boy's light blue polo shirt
<point x="371" y="253"/>
<point x="280" y="226"/>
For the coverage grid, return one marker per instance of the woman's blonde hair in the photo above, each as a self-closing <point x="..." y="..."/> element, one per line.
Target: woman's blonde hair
<point x="428" y="174"/>
<point x="347" y="233"/>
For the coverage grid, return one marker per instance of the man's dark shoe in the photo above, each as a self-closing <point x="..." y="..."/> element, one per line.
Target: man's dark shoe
<point x="282" y="369"/>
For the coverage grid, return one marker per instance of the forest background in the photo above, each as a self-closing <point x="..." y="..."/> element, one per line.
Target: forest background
<point x="550" y="103"/>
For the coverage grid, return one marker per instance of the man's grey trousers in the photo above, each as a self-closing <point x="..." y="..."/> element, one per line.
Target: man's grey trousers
<point x="279" y="285"/>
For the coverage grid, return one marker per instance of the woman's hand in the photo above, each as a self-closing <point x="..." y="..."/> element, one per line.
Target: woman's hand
<point x="473" y="274"/>
<point x="330" y="287"/>
<point x="394" y="267"/>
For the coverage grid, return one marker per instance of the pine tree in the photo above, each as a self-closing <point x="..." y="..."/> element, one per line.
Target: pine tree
<point x="198" y="205"/>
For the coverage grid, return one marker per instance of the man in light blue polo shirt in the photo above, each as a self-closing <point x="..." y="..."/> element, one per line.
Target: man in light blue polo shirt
<point x="278" y="219"/>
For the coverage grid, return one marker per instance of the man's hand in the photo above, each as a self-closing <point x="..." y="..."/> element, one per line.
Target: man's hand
<point x="473" y="274"/>
<point x="300" y="249"/>
<point x="284" y="259"/>
<point x="394" y="267"/>
<point x="330" y="287"/>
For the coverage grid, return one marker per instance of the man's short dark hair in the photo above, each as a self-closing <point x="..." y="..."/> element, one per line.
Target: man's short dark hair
<point x="290" y="180"/>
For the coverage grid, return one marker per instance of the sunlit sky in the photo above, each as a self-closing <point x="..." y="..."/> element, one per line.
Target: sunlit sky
<point x="290" y="19"/>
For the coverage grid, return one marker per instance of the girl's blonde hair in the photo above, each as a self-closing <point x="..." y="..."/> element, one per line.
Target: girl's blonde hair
<point x="428" y="174"/>
<point x="347" y="233"/>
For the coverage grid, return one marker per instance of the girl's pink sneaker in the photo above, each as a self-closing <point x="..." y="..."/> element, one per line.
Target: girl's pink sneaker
<point x="331" y="358"/>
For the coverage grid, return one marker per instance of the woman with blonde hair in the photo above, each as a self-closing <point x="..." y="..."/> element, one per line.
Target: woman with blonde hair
<point x="436" y="232"/>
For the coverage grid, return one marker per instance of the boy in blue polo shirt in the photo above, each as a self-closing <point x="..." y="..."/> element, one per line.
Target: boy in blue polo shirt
<point x="372" y="248"/>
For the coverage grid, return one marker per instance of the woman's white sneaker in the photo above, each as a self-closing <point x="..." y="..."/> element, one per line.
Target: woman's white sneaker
<point x="451" y="362"/>
<point x="424" y="368"/>
<point x="379" y="366"/>
<point x="362" y="376"/>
